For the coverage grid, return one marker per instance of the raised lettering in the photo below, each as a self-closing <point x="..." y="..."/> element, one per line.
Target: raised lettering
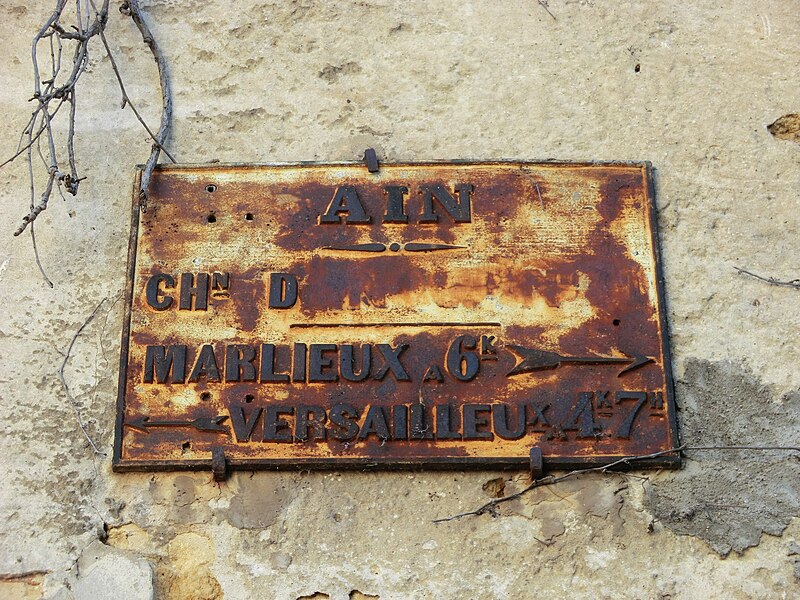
<point x="375" y="422"/>
<point x="282" y="290"/>
<point x="309" y="419"/>
<point x="500" y="421"/>
<point x="197" y="292"/>
<point x="344" y="417"/>
<point x="420" y="427"/>
<point x="395" y="196"/>
<point x="243" y="425"/>
<point x="347" y="362"/>
<point x="460" y="211"/>
<point x="165" y="363"/>
<point x="277" y="429"/>
<point x="318" y="363"/>
<point x="156" y="299"/>
<point x="392" y="363"/>
<point x="345" y="201"/>
<point x="239" y="363"/>
<point x="299" y="363"/>
<point x="444" y="428"/>
<point x="268" y="374"/>
<point x="400" y="422"/>
<point x="205" y="365"/>
<point x="473" y="423"/>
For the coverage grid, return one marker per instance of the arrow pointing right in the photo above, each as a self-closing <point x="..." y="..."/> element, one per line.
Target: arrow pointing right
<point x="535" y="359"/>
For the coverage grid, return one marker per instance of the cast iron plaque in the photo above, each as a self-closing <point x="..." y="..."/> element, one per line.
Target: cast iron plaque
<point x="438" y="314"/>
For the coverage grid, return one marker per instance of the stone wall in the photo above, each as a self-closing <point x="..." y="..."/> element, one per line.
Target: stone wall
<point x="691" y="87"/>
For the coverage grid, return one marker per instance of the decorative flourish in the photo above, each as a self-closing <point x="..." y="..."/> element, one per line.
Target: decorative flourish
<point x="394" y="247"/>
<point x="201" y="423"/>
<point x="534" y="359"/>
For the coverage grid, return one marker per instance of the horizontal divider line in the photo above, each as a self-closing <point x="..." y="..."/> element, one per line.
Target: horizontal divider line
<point x="435" y="324"/>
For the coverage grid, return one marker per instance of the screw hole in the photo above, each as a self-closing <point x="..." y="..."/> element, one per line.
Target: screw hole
<point x="211" y="188"/>
<point x="211" y="218"/>
<point x="205" y="396"/>
<point x="616" y="322"/>
<point x="186" y="446"/>
<point x="249" y="398"/>
<point x="248" y="217"/>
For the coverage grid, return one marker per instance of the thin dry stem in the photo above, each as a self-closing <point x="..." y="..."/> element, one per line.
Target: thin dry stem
<point x="166" y="100"/>
<point x="67" y="391"/>
<point x="793" y="283"/>
<point x="626" y="461"/>
<point x="54" y="86"/>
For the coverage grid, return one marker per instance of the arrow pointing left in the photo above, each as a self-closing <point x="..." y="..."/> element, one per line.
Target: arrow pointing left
<point x="200" y="423"/>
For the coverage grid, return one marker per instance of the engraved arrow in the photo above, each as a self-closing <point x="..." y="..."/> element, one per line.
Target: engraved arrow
<point x="200" y="423"/>
<point x="539" y="360"/>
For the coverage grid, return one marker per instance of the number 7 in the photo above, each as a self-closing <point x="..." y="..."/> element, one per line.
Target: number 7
<point x="627" y="423"/>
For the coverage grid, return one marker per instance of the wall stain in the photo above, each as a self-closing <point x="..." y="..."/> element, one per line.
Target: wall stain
<point x="729" y="498"/>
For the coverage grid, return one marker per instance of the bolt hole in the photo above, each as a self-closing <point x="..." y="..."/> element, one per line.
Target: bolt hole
<point x="249" y="398"/>
<point x="211" y="218"/>
<point x="616" y="322"/>
<point x="211" y="188"/>
<point x="186" y="446"/>
<point x="205" y="396"/>
<point x="248" y="217"/>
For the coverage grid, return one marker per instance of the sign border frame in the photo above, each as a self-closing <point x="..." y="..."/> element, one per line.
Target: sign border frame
<point x="666" y="460"/>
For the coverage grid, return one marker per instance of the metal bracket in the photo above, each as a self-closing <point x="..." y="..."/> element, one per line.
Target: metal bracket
<point x="537" y="466"/>
<point x="219" y="465"/>
<point x="371" y="159"/>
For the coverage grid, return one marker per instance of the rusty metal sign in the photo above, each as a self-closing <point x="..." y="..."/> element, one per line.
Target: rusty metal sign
<point x="437" y="315"/>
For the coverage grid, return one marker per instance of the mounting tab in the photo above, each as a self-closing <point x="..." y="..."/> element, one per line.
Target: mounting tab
<point x="371" y="160"/>
<point x="537" y="466"/>
<point x="219" y="465"/>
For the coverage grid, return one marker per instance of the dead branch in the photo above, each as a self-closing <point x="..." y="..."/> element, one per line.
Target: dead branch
<point x="54" y="86"/>
<point x="626" y="461"/>
<point x="794" y="283"/>
<point x="544" y="5"/>
<point x="49" y="90"/>
<point x="70" y="397"/>
<point x="135" y="12"/>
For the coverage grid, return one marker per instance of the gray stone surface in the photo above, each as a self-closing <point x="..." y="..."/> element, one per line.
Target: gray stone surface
<point x="105" y="573"/>
<point x="321" y="80"/>
<point x="731" y="498"/>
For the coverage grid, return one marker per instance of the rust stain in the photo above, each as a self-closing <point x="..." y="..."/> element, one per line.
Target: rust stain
<point x="445" y="315"/>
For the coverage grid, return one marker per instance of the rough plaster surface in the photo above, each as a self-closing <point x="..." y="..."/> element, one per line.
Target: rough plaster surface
<point x="724" y="405"/>
<point x="691" y="87"/>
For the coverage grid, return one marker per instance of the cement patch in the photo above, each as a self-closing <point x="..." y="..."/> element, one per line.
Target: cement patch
<point x="729" y="498"/>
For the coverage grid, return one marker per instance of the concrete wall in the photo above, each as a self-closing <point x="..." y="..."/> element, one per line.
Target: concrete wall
<point x="689" y="86"/>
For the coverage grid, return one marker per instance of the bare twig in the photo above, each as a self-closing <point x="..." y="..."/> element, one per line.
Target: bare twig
<point x="38" y="260"/>
<point x="46" y="91"/>
<point x="626" y="461"/>
<point x="543" y="4"/>
<point x="794" y="283"/>
<point x="166" y="98"/>
<point x="126" y="100"/>
<point x="64" y="381"/>
<point x="53" y="86"/>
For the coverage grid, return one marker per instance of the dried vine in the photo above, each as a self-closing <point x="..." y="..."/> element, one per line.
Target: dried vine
<point x="628" y="461"/>
<point x="57" y="87"/>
